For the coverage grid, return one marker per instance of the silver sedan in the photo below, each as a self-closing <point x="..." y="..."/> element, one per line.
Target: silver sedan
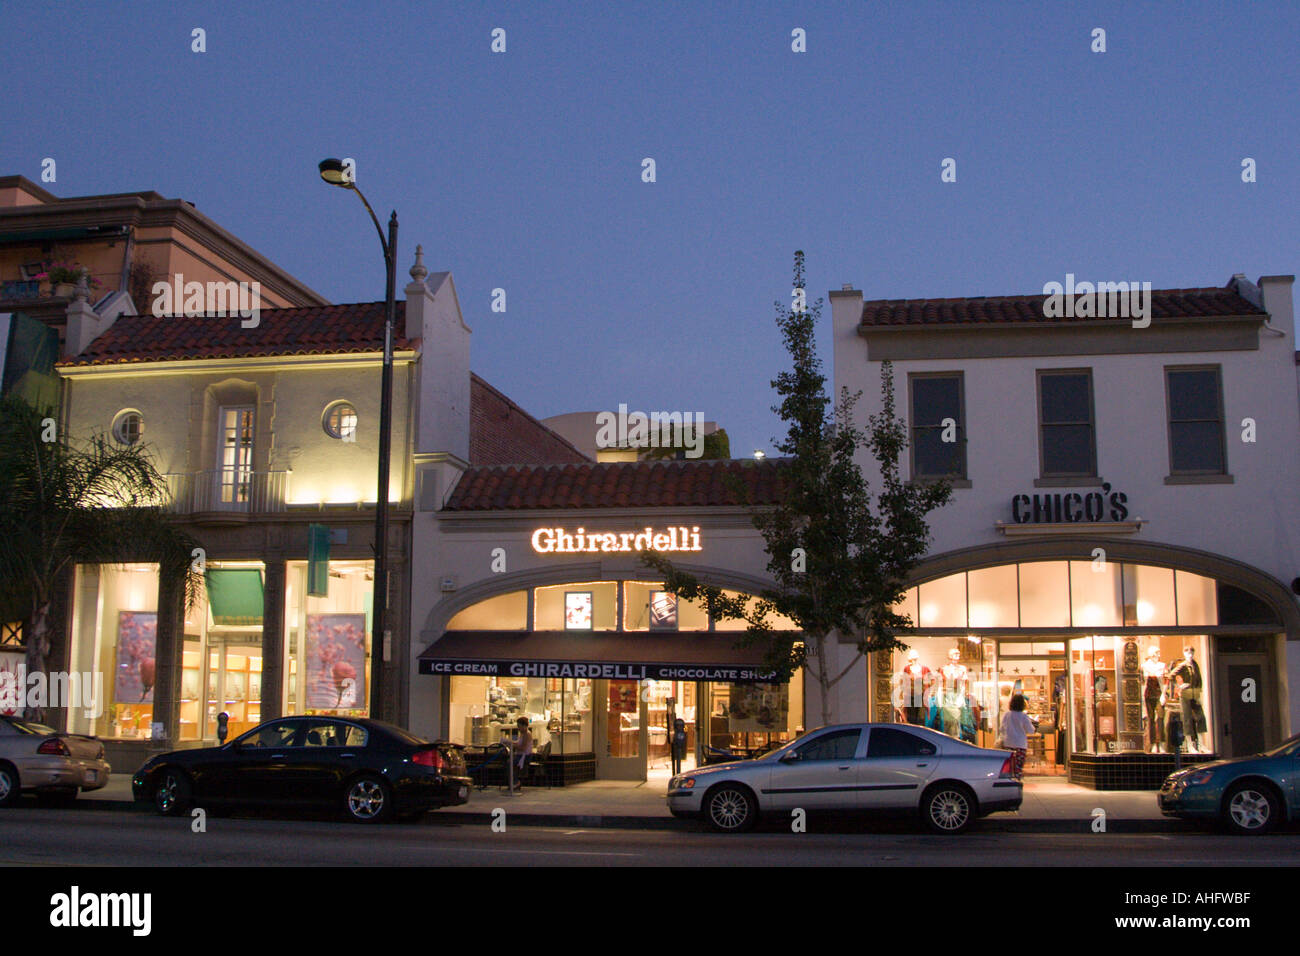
<point x="57" y="766"/>
<point x="854" y="767"/>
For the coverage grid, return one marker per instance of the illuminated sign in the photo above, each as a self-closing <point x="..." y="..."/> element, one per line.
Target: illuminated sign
<point x="582" y="541"/>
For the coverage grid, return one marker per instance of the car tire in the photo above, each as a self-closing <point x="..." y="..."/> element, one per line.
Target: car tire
<point x="730" y="808"/>
<point x="948" y="808"/>
<point x="1251" y="808"/>
<point x="368" y="799"/>
<point x="10" y="786"/>
<point x="172" y="793"/>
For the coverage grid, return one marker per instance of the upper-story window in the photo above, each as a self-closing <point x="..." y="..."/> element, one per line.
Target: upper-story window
<point x="1067" y="436"/>
<point x="938" y="425"/>
<point x="128" y="426"/>
<point x="340" y="421"/>
<point x="235" y="455"/>
<point x="1195" y="403"/>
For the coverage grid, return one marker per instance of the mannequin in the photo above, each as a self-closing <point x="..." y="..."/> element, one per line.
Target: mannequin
<point x="1153" y="695"/>
<point x="910" y="687"/>
<point x="1186" y="676"/>
<point x="955" y="681"/>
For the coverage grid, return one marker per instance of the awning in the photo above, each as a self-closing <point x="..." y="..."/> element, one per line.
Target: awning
<point x="235" y="596"/>
<point x="613" y="655"/>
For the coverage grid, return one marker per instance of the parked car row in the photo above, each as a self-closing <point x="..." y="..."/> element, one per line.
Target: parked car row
<point x="370" y="771"/>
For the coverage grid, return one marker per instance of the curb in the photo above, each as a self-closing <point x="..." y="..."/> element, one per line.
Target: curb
<point x="996" y="824"/>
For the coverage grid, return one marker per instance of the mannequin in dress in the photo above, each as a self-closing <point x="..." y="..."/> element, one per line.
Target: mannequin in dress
<point x="911" y="686"/>
<point x="956" y="680"/>
<point x="1153" y="695"/>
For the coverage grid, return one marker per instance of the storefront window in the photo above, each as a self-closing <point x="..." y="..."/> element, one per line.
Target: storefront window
<point x="1135" y="694"/>
<point x="486" y="710"/>
<point x="778" y="622"/>
<point x="992" y="595"/>
<point x="943" y="602"/>
<point x="505" y="612"/>
<point x="116" y="627"/>
<point x="648" y="607"/>
<point x="947" y="684"/>
<point x="1044" y="594"/>
<point x="327" y="640"/>
<point x="1095" y="597"/>
<point x="591" y="606"/>
<point x="750" y="717"/>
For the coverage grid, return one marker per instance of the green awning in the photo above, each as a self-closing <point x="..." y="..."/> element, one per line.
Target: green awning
<point x="235" y="596"/>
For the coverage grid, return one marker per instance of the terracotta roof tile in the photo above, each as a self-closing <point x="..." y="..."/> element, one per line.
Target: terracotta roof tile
<point x="982" y="310"/>
<point x="640" y="484"/>
<point x="307" y="330"/>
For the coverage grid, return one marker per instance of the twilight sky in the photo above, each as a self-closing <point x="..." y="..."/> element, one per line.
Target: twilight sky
<point x="523" y="170"/>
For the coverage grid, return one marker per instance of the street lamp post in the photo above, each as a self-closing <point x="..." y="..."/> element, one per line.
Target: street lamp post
<point x="335" y="173"/>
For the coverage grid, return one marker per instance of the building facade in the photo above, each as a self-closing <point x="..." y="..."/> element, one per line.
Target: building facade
<point x="1121" y="541"/>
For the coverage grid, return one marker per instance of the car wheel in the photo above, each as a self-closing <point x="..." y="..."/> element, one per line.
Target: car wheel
<point x="171" y="796"/>
<point x="57" y="798"/>
<point x="948" y="808"/>
<point x="10" y="789"/>
<point x="730" y="808"/>
<point x="368" y="800"/>
<point x="1250" y="808"/>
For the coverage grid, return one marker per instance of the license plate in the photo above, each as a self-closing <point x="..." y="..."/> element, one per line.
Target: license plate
<point x="90" y="776"/>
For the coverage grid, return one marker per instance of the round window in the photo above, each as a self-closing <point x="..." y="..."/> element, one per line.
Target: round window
<point x="128" y="426"/>
<point x="341" y="421"/>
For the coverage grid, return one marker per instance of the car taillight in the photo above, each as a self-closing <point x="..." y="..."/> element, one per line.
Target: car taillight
<point x="428" y="758"/>
<point x="54" y="746"/>
<point x="1006" y="768"/>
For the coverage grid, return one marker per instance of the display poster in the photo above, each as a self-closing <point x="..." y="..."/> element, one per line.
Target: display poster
<point x="577" y="610"/>
<point x="137" y="634"/>
<point x="663" y="611"/>
<point x="336" y="661"/>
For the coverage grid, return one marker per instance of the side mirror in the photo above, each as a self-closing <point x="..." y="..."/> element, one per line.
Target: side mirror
<point x="791" y="757"/>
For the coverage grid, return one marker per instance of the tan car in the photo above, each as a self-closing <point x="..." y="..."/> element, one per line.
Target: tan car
<point x="54" y="765"/>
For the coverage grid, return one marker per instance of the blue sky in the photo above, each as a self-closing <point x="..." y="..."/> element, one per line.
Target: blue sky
<point x="522" y="170"/>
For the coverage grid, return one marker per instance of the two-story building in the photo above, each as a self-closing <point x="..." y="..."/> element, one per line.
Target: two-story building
<point x="1121" y="545"/>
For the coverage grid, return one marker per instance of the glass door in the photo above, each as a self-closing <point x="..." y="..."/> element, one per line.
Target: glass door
<point x="235" y="457"/>
<point x="234" y="682"/>
<point x="621" y="734"/>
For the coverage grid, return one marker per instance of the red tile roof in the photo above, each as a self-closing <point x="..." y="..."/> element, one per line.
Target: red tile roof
<point x="308" y="330"/>
<point x="502" y="433"/>
<point x="981" y="310"/>
<point x="639" y="484"/>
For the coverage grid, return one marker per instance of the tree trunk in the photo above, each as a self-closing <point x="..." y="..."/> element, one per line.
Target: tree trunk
<point x="38" y="650"/>
<point x="823" y="675"/>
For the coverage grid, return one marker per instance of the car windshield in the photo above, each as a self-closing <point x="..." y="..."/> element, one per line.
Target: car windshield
<point x="1285" y="748"/>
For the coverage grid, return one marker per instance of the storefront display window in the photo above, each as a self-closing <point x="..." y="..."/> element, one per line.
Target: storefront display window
<point x="750" y="717"/>
<point x="327" y="641"/>
<point x="947" y="684"/>
<point x="590" y="606"/>
<point x="485" y="710"/>
<point x="505" y="612"/>
<point x="648" y="607"/>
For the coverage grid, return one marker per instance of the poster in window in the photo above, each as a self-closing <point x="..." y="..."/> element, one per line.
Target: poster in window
<point x="13" y="681"/>
<point x="133" y="677"/>
<point x="663" y="611"/>
<point x="336" y="661"/>
<point x="577" y="610"/>
<point x="759" y="708"/>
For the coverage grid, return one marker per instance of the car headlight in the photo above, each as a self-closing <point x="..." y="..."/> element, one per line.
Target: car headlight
<point x="686" y="783"/>
<point x="1196" y="778"/>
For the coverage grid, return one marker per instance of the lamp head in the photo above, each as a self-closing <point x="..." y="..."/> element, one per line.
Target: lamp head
<point x="335" y="173"/>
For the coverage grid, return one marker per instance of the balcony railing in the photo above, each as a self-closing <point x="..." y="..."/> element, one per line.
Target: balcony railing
<point x="228" y="490"/>
<point x="20" y="289"/>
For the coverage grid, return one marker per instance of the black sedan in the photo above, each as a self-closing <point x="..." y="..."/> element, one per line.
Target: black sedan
<point x="368" y="769"/>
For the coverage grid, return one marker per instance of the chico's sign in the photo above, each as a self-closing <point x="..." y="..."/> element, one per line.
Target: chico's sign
<point x="1104" y="505"/>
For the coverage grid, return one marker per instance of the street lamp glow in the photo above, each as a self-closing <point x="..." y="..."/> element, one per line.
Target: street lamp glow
<point x="332" y="171"/>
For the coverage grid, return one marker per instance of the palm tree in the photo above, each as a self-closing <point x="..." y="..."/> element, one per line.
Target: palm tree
<point x="63" y="503"/>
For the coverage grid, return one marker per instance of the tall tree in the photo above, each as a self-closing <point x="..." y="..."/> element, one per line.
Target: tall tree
<point x="839" y="559"/>
<point x="64" y="503"/>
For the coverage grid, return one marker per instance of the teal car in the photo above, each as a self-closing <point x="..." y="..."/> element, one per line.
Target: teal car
<point x="1249" y="795"/>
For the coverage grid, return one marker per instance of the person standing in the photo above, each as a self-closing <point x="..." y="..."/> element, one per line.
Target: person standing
<point x="1015" y="730"/>
<point x="523" y="750"/>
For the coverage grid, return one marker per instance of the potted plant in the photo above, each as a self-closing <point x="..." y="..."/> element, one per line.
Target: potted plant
<point x="64" y="277"/>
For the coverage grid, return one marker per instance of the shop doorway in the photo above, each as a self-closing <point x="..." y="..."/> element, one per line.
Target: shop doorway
<point x="621" y="734"/>
<point x="1244" y="679"/>
<point x="1041" y="680"/>
<point x="666" y="702"/>
<point x="234" y="682"/>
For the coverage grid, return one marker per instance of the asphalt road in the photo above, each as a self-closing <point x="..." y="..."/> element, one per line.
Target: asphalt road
<point x="69" y="838"/>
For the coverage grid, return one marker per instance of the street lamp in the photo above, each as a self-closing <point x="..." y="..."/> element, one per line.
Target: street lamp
<point x="334" y="172"/>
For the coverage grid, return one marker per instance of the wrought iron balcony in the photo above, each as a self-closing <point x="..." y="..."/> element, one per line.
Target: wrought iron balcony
<point x="20" y="289"/>
<point x="233" y="491"/>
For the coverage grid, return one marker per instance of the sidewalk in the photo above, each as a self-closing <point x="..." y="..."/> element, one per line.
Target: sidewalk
<point x="1050" y="806"/>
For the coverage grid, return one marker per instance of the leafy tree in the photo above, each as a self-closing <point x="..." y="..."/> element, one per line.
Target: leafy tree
<point x="65" y="503"/>
<point x="840" y="560"/>
<point x="716" y="445"/>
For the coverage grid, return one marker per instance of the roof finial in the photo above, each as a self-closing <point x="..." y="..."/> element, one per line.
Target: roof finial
<point x="418" y="271"/>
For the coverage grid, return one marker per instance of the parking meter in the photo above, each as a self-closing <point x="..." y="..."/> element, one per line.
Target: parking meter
<point x="223" y="725"/>
<point x="678" y="744"/>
